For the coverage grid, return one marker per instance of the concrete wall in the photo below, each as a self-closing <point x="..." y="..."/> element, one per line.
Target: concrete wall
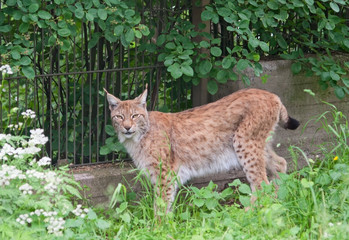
<point x="103" y="179"/>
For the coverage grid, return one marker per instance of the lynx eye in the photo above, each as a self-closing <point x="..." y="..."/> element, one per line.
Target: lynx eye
<point x="120" y="117"/>
<point x="134" y="116"/>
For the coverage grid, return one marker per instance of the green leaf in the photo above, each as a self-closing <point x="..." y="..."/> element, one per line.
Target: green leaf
<point x="15" y="54"/>
<point x="94" y="40"/>
<point x="109" y="129"/>
<point x="296" y="67"/>
<point x="253" y="42"/>
<point x="216" y="51"/>
<point x="273" y="5"/>
<point x="334" y="6"/>
<point x="224" y="11"/>
<point x="73" y="191"/>
<point x="64" y="32"/>
<point x="91" y="215"/>
<point x="222" y="76"/>
<point x="245" y="189"/>
<point x="334" y="76"/>
<point x="105" y="150"/>
<point x="205" y="66"/>
<point x="212" y="87"/>
<point x="187" y="70"/>
<point x="11" y="2"/>
<point x="211" y="203"/>
<point x="310" y="2"/>
<point x="138" y="34"/>
<point x="264" y="46"/>
<point x="102" y="224"/>
<point x="144" y="29"/>
<point x="199" y="202"/>
<point x="44" y="14"/>
<point x="207" y="15"/>
<point x="89" y="16"/>
<point x="242" y="64"/>
<point x="28" y="72"/>
<point x="118" y="30"/>
<point x="129" y="12"/>
<point x="227" y="61"/>
<point x="339" y="92"/>
<point x="79" y="13"/>
<point x="129" y="35"/>
<point x="204" y="44"/>
<point x="33" y="7"/>
<point x="346" y="82"/>
<point x="126" y="217"/>
<point x="160" y="40"/>
<point x="25" y="61"/>
<point x="281" y="41"/>
<point x="245" y="200"/>
<point x="175" y="70"/>
<point x="23" y="28"/>
<point x="170" y="45"/>
<point x="5" y="28"/>
<point x="102" y="14"/>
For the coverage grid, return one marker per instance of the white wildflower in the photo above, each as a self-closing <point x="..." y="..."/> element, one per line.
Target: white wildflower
<point x="5" y="137"/>
<point x="7" y="173"/>
<point x="80" y="212"/>
<point x="37" y="137"/>
<point x="6" y="69"/>
<point x="44" y="161"/>
<point x="8" y="150"/>
<point x="26" y="189"/>
<point x="55" y="225"/>
<point x="36" y="174"/>
<point x="23" y="218"/>
<point x="29" y="114"/>
<point x="51" y="187"/>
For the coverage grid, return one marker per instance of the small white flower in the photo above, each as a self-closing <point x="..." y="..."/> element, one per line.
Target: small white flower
<point x="44" y="161"/>
<point x="330" y="224"/>
<point x="29" y="114"/>
<point x="6" y="69"/>
<point x="23" y="218"/>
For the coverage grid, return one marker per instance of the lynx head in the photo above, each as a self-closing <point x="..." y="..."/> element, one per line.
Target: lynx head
<point x="130" y="117"/>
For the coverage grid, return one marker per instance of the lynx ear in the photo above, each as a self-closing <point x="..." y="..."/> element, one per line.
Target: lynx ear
<point x="143" y="97"/>
<point x="113" y="101"/>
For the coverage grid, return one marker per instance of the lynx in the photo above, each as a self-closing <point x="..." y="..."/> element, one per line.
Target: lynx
<point x="233" y="132"/>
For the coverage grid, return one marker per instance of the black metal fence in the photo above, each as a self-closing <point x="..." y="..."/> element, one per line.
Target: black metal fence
<point x="67" y="91"/>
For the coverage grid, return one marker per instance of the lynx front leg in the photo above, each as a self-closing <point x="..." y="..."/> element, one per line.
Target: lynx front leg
<point x="165" y="188"/>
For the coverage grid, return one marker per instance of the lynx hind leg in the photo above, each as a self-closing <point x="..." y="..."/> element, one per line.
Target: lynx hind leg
<point x="252" y="159"/>
<point x="275" y="163"/>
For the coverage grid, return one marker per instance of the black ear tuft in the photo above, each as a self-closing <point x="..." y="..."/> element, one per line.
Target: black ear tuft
<point x="292" y="124"/>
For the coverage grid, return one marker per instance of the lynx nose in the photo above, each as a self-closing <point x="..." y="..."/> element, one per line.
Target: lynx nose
<point x="127" y="128"/>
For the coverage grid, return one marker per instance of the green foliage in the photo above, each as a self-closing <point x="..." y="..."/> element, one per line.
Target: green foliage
<point x="59" y="22"/>
<point x="288" y="29"/>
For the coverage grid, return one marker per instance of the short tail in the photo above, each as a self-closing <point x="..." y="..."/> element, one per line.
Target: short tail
<point x="287" y="121"/>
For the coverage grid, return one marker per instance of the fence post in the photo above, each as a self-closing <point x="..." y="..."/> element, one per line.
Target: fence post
<point x="200" y="95"/>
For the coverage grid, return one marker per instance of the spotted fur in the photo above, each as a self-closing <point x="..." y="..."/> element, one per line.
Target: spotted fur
<point x="233" y="132"/>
